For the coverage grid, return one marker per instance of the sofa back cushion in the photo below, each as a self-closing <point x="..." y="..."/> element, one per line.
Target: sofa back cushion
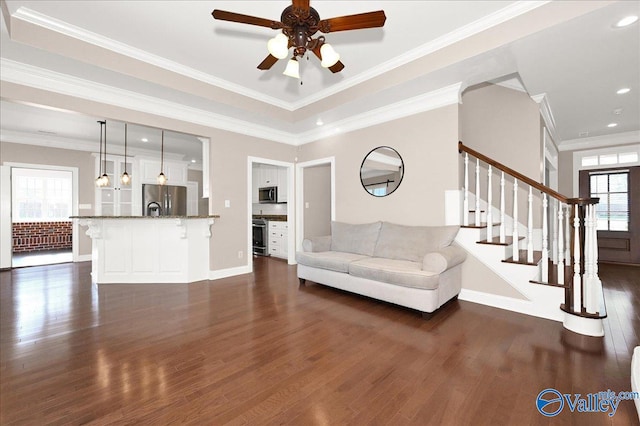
<point x="412" y="242"/>
<point x="350" y="238"/>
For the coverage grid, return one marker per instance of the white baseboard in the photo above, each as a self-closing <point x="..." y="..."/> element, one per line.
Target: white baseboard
<point x="230" y="272"/>
<point x="83" y="258"/>
<point x="509" y="304"/>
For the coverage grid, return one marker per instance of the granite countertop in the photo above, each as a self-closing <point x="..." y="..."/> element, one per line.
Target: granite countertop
<point x="274" y="217"/>
<point x="212" y="216"/>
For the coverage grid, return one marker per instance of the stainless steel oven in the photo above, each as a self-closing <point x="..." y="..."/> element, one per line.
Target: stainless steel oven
<point x="260" y="237"/>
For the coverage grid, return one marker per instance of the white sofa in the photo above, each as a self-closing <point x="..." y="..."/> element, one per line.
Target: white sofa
<point x="412" y="266"/>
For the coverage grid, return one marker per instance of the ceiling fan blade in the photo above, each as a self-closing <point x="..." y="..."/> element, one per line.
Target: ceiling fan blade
<point x="301" y="4"/>
<point x="268" y="62"/>
<point x="353" y="22"/>
<point x="337" y="67"/>
<point x="245" y="19"/>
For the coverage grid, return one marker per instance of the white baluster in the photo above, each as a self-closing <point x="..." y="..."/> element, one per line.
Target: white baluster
<point x="465" y="203"/>
<point x="595" y="243"/>
<point x="516" y="249"/>
<point x="554" y="230"/>
<point x="544" y="271"/>
<point x="489" y="206"/>
<point x="530" y="226"/>
<point x="477" y="218"/>
<point x="589" y="296"/>
<point x="560" y="247"/>
<point x="503" y="233"/>
<point x="567" y="234"/>
<point x="577" y="279"/>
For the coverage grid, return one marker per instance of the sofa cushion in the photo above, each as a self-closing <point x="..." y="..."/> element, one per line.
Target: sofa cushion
<point x="331" y="260"/>
<point x="392" y="271"/>
<point x="350" y="238"/>
<point x="412" y="242"/>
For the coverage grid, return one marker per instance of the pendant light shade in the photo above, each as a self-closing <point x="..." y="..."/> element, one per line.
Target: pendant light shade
<point x="329" y="56"/>
<point x="125" y="179"/>
<point x="279" y="46"/>
<point x="293" y="68"/>
<point x="162" y="179"/>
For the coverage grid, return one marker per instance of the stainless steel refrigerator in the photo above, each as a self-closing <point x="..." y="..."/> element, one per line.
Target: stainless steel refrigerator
<point x="164" y="200"/>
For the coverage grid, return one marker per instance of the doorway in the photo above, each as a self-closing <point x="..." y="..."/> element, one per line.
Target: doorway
<point x="618" y="212"/>
<point x="37" y="229"/>
<point x="315" y="186"/>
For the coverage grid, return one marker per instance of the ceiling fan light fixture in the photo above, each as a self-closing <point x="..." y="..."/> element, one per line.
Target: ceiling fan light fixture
<point x="293" y="68"/>
<point x="279" y="46"/>
<point x="329" y="56"/>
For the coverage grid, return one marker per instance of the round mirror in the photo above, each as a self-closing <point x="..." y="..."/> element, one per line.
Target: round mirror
<point x="381" y="171"/>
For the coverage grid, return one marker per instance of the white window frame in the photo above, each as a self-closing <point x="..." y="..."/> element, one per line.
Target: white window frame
<point x="51" y="172"/>
<point x="616" y="150"/>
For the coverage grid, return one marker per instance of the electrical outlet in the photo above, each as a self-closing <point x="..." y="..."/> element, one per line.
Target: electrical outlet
<point x="227" y="203"/>
<point x="240" y="254"/>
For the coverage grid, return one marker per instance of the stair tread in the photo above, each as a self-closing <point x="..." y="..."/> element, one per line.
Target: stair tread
<point x="496" y="241"/>
<point x="537" y="255"/>
<point x="482" y="225"/>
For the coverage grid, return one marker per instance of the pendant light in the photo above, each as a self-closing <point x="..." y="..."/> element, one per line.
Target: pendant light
<point x="99" y="178"/>
<point x="105" y="177"/>
<point x="125" y="178"/>
<point x="162" y="179"/>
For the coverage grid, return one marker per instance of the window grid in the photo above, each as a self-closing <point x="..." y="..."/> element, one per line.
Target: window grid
<point x="612" y="212"/>
<point x="38" y="198"/>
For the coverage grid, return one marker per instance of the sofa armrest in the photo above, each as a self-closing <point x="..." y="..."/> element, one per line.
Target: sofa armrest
<point x="316" y="244"/>
<point x="443" y="259"/>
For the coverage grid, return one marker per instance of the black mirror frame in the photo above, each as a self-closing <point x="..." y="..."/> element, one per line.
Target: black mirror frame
<point x="401" y="176"/>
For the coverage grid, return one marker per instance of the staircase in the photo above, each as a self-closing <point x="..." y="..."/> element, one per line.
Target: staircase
<point x="554" y="266"/>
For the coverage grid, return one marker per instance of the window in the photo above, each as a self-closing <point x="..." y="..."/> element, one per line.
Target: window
<point x="609" y="159"/>
<point x="41" y="195"/>
<point x="612" y="212"/>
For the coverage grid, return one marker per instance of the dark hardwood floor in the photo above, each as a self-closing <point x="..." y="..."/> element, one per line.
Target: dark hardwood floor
<point x="256" y="349"/>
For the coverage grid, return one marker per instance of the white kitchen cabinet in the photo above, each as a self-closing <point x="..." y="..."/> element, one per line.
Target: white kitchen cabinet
<point x="116" y="199"/>
<point x="265" y="175"/>
<point x="282" y="185"/>
<point x="279" y="239"/>
<point x="175" y="171"/>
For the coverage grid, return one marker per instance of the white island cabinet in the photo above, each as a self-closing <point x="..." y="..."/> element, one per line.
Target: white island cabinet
<point x="139" y="249"/>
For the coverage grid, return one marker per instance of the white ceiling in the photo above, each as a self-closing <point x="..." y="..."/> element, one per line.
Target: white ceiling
<point x="175" y="52"/>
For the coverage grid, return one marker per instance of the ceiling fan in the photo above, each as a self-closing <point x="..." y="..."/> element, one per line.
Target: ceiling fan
<point x="299" y="22"/>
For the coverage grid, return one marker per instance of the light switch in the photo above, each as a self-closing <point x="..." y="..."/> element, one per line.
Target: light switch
<point x="306" y="205"/>
<point x="227" y="203"/>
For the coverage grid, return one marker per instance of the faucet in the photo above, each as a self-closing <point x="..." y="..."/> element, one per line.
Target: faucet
<point x="154" y="209"/>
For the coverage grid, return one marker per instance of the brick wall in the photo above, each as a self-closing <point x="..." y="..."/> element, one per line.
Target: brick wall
<point x="35" y="236"/>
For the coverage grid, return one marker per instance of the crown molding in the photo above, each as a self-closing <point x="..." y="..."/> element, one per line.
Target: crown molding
<point x="471" y="29"/>
<point x="40" y="78"/>
<point x="56" y="25"/>
<point x="505" y="14"/>
<point x="547" y="115"/>
<point x="428" y="101"/>
<point x="600" y="141"/>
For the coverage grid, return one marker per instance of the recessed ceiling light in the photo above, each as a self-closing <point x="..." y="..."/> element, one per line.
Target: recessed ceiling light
<point x="627" y="20"/>
<point x="623" y="91"/>
<point x="319" y="122"/>
<point x="193" y="160"/>
<point x="144" y="140"/>
<point x="612" y="124"/>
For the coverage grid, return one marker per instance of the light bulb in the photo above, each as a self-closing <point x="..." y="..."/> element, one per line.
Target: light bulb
<point x="329" y="56"/>
<point x="293" y="68"/>
<point x="279" y="46"/>
<point x="162" y="179"/>
<point x="125" y="178"/>
<point x="99" y="181"/>
<point x="105" y="180"/>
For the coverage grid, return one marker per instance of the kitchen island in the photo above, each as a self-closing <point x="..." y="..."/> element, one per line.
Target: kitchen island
<point x="148" y="249"/>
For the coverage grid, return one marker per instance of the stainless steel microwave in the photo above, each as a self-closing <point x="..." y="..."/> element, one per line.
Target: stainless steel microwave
<point x="268" y="194"/>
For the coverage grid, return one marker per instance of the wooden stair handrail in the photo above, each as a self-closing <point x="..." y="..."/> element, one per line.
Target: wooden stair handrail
<point x="540" y="187"/>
